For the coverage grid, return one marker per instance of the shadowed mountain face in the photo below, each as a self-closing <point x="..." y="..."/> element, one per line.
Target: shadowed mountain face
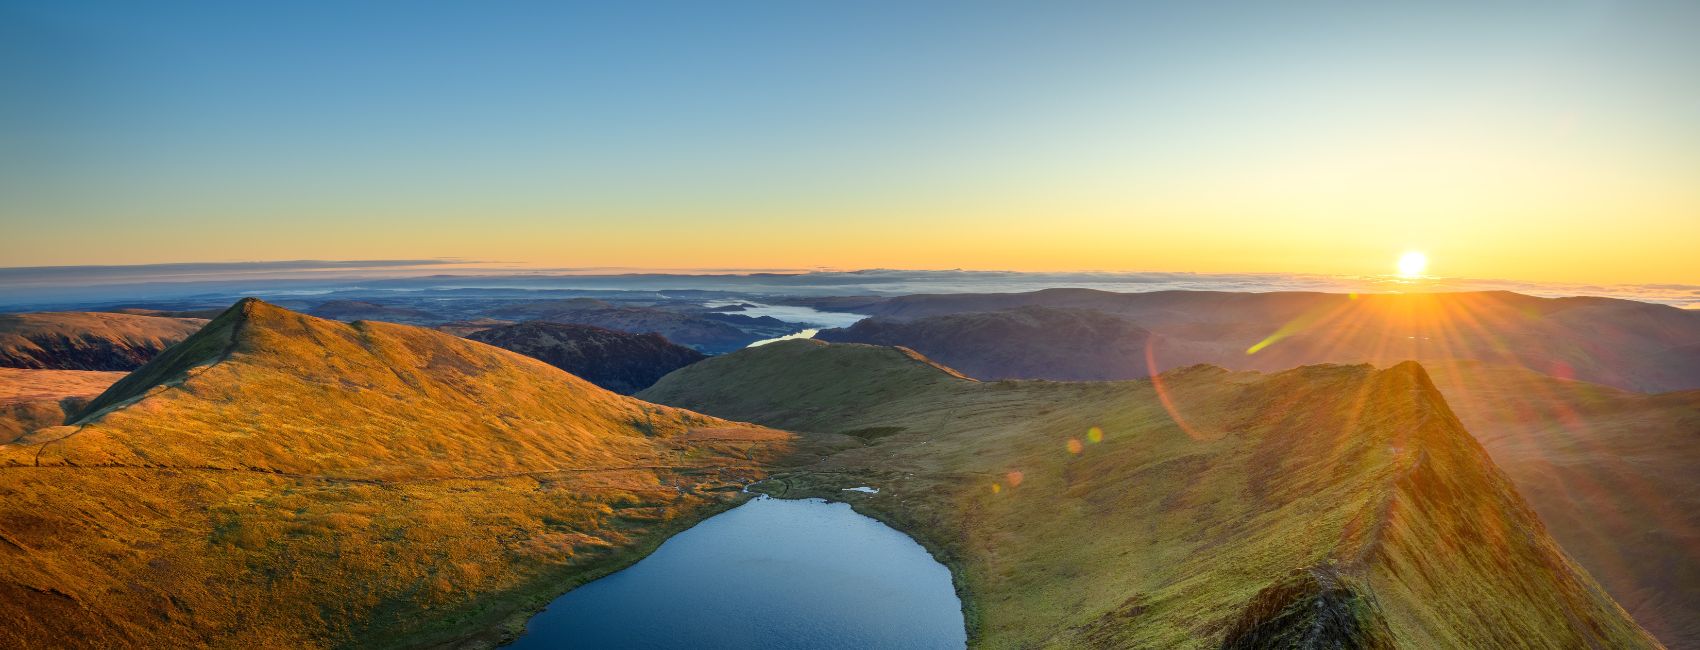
<point x="1630" y="345"/>
<point x="1327" y="506"/>
<point x="278" y="480"/>
<point x="1611" y="473"/>
<point x="87" y="340"/>
<point x="32" y="399"/>
<point x="1024" y="343"/>
<point x="712" y="334"/>
<point x="618" y="361"/>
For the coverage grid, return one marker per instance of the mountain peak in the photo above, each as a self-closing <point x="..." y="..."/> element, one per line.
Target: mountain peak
<point x="1344" y="486"/>
<point x="204" y="347"/>
<point x="379" y="478"/>
<point x="404" y="402"/>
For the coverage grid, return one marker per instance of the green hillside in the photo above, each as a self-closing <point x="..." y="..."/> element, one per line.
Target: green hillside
<point x="1327" y="506"/>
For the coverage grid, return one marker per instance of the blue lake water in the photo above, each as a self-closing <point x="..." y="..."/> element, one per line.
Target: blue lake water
<point x="772" y="573"/>
<point x="793" y="314"/>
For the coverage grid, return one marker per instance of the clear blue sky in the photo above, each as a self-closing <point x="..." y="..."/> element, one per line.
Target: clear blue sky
<point x="985" y="134"/>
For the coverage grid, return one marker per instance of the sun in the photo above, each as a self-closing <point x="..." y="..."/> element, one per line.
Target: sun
<point x="1412" y="264"/>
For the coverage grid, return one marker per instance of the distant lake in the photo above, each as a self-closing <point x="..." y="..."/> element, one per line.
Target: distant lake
<point x="792" y="314"/>
<point x="772" y="573"/>
<point x="818" y="319"/>
<point x="805" y="334"/>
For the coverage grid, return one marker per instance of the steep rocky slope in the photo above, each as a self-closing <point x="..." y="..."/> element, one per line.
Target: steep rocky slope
<point x="87" y="340"/>
<point x="278" y="480"/>
<point x="1326" y="506"/>
<point x="618" y="361"/>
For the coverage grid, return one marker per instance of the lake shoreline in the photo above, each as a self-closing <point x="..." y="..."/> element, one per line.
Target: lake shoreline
<point x="958" y="580"/>
<point x="819" y="539"/>
<point x="514" y="609"/>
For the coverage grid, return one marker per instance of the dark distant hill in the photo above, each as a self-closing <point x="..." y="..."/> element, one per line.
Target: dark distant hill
<point x="713" y="335"/>
<point x="88" y="340"/>
<point x="1622" y="343"/>
<point x="353" y="310"/>
<point x="209" y="313"/>
<point x="1026" y="342"/>
<point x="618" y="361"/>
<point x="467" y="327"/>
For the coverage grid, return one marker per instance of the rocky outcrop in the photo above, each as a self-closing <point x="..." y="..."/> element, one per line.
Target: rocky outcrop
<point x="1311" y="609"/>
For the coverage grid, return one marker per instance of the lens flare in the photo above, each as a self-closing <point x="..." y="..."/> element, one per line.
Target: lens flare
<point x="1074" y="446"/>
<point x="1094" y="435"/>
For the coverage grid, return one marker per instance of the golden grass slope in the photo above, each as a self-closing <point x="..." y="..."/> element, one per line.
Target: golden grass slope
<point x="284" y="481"/>
<point x="20" y="384"/>
<point x="1337" y="506"/>
<point x="31" y="399"/>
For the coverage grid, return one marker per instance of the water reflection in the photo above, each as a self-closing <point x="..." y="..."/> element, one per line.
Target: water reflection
<point x="771" y="573"/>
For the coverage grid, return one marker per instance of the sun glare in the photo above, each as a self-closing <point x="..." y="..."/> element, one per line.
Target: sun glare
<point x="1412" y="264"/>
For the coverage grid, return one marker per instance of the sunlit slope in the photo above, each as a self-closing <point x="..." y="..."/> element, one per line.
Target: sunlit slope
<point x="31" y="399"/>
<point x="1612" y="474"/>
<point x="279" y="480"/>
<point x="1336" y="505"/>
<point x="87" y="340"/>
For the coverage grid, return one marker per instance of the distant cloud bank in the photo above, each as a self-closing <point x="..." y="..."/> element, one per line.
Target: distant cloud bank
<point x="37" y="287"/>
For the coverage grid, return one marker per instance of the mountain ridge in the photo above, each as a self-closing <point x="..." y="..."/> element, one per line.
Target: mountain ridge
<point x="1193" y="497"/>
<point x="285" y="481"/>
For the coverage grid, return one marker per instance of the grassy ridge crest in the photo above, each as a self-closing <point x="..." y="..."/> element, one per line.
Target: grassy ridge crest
<point x="1197" y="509"/>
